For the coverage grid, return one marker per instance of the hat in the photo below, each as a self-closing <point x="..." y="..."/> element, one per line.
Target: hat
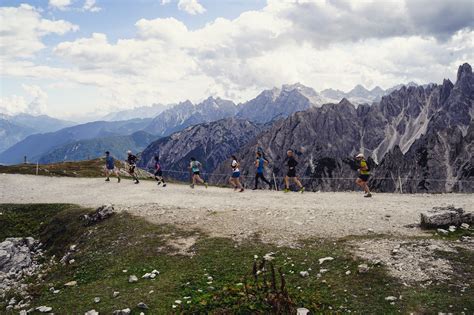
<point x="129" y="152"/>
<point x="360" y="155"/>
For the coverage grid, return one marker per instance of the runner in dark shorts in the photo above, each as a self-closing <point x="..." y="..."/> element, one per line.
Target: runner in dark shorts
<point x="159" y="172"/>
<point x="110" y="167"/>
<point x="364" y="175"/>
<point x="291" y="174"/>
<point x="194" y="167"/>
<point x="234" y="179"/>
<point x="132" y="164"/>
<point x="260" y="163"/>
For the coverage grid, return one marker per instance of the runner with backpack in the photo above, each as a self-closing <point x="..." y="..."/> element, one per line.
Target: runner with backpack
<point x="158" y="172"/>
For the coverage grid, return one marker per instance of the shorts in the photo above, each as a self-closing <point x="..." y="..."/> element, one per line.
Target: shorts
<point x="110" y="168"/>
<point x="291" y="173"/>
<point x="364" y="177"/>
<point x="197" y="173"/>
<point x="235" y="174"/>
<point x="131" y="168"/>
<point x="159" y="173"/>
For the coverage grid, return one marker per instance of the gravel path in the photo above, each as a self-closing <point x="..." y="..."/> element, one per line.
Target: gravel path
<point x="274" y="216"/>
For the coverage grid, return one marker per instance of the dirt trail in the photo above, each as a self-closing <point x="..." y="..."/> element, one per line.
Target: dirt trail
<point x="275" y="216"/>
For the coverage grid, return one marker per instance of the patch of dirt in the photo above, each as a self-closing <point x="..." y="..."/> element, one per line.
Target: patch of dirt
<point x="411" y="261"/>
<point x="182" y="245"/>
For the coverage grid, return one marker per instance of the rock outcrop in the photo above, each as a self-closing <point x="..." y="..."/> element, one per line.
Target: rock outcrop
<point x="440" y="217"/>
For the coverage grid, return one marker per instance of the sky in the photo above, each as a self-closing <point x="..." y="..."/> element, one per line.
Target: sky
<point x="78" y="59"/>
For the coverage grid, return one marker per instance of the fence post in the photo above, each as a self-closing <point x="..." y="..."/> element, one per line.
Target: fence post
<point x="37" y="168"/>
<point x="274" y="181"/>
<point x="400" y="184"/>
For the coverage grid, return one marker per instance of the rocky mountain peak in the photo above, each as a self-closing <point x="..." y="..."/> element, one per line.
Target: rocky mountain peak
<point x="464" y="70"/>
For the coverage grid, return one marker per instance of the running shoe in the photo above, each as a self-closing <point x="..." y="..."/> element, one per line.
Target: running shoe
<point x="192" y="186"/>
<point x="369" y="195"/>
<point x="107" y="179"/>
<point x="286" y="190"/>
<point x="137" y="182"/>
<point x="164" y="185"/>
<point x="242" y="190"/>
<point x="206" y="184"/>
<point x="118" y="180"/>
<point x="302" y="190"/>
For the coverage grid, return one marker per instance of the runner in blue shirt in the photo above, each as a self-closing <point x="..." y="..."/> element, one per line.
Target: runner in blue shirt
<point x="260" y="163"/>
<point x="110" y="167"/>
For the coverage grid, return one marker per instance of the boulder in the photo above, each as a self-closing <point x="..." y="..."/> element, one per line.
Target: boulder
<point x="363" y="268"/>
<point x="44" y="309"/>
<point x="132" y="279"/>
<point x="91" y="312"/>
<point x="101" y="213"/>
<point x="143" y="306"/>
<point x="445" y="217"/>
<point x="302" y="311"/>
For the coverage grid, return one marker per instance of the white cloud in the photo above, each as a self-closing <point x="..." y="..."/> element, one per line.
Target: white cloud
<point x="164" y="2"/>
<point x="90" y="5"/>
<point x="23" y="27"/>
<point x="323" y="44"/>
<point x="35" y="105"/>
<point x="60" y="4"/>
<point x="192" y="7"/>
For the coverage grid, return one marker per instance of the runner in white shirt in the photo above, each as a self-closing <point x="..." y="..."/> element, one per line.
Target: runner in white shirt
<point x="234" y="179"/>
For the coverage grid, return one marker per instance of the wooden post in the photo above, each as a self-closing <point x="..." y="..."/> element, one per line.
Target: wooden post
<point x="37" y="167"/>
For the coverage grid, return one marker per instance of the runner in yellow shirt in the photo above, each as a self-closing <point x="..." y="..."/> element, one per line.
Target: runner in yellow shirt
<point x="364" y="174"/>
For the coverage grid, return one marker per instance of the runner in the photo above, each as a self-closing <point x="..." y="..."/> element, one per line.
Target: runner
<point x="132" y="164"/>
<point x="195" y="166"/>
<point x="234" y="179"/>
<point x="364" y="174"/>
<point x="292" y="163"/>
<point x="260" y="164"/>
<point x="158" y="172"/>
<point x="110" y="167"/>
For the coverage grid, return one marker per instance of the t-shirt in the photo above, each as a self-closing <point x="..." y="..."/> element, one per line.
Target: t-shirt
<point x="363" y="164"/>
<point x="292" y="163"/>
<point x="109" y="162"/>
<point x="132" y="159"/>
<point x="261" y="163"/>
<point x="195" y="165"/>
<point x="235" y="168"/>
<point x="157" y="166"/>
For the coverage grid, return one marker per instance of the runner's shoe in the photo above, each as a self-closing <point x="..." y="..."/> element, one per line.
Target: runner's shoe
<point x="286" y="190"/>
<point x="302" y="190"/>
<point x="206" y="184"/>
<point x="192" y="186"/>
<point x="118" y="180"/>
<point x="164" y="185"/>
<point x="242" y="190"/>
<point x="107" y="179"/>
<point x="369" y="195"/>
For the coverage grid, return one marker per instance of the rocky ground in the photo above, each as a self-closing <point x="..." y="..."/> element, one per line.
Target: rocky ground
<point x="273" y="216"/>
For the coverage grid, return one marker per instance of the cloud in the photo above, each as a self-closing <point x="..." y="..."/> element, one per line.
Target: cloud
<point x="36" y="105"/>
<point x="164" y="2"/>
<point x="90" y="5"/>
<point x="23" y="27"/>
<point x="320" y="43"/>
<point x="60" y="4"/>
<point x="192" y="7"/>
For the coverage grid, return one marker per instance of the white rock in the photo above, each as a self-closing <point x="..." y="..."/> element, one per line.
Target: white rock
<point x="302" y="311"/>
<point x="146" y="276"/>
<point x="178" y="301"/>
<point x="348" y="272"/>
<point x="73" y="247"/>
<point x="97" y="299"/>
<point x="153" y="276"/>
<point x="44" y="309"/>
<point x="70" y="284"/>
<point x="269" y="256"/>
<point x="132" y="279"/>
<point x="155" y="272"/>
<point x="322" y="260"/>
<point x="116" y="293"/>
<point x="391" y="298"/>
<point x="125" y="311"/>
<point x="143" y="306"/>
<point x="304" y="274"/>
<point x="442" y="231"/>
<point x="370" y="230"/>
<point x="452" y="228"/>
<point x="56" y="291"/>
<point x="363" y="268"/>
<point x="91" y="312"/>
<point x="464" y="226"/>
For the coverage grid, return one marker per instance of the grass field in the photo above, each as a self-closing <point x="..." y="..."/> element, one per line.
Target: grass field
<point x="205" y="274"/>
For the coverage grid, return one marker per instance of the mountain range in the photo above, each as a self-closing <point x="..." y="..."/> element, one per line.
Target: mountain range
<point x="34" y="146"/>
<point x="137" y="112"/>
<point x="14" y="128"/>
<point x="210" y="143"/>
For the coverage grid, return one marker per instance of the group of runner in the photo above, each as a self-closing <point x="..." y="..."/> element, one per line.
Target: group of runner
<point x="234" y="180"/>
